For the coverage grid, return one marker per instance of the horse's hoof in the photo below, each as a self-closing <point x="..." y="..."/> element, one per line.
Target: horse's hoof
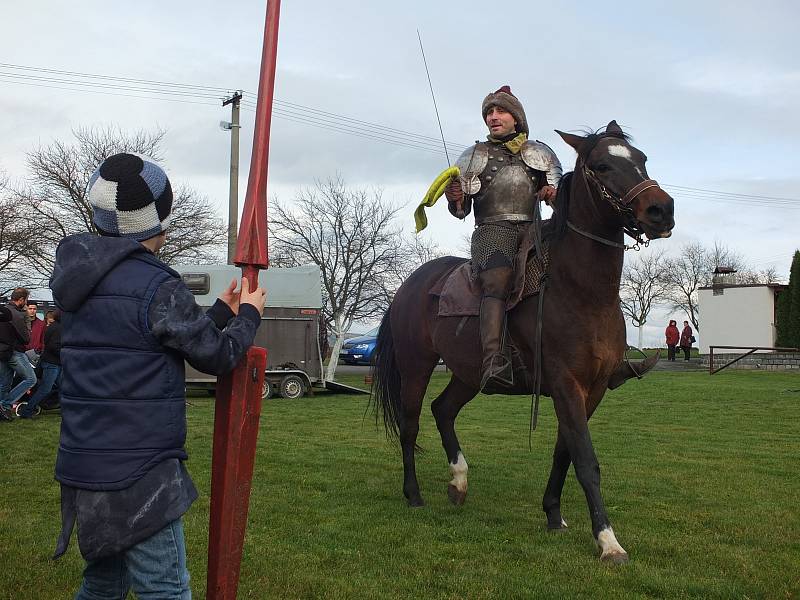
<point x="456" y="496"/>
<point x="416" y="501"/>
<point x="615" y="558"/>
<point x="557" y="527"/>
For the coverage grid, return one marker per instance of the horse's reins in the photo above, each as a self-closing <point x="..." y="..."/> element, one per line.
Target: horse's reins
<point x="623" y="206"/>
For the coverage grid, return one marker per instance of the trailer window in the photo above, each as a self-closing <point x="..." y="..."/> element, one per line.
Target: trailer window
<point x="198" y="283"/>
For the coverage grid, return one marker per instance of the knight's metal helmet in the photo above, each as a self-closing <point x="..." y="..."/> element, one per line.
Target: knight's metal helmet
<point x="505" y="99"/>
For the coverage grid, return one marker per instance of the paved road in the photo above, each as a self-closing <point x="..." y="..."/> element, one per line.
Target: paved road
<point x="362" y="370"/>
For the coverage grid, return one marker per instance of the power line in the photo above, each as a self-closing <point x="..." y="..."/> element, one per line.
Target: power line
<point x="299" y="113"/>
<point x="385" y="135"/>
<point x="330" y="127"/>
<point x="14" y="76"/>
<point x="203" y="92"/>
<point x="92" y="91"/>
<point x="383" y="128"/>
<point x="734" y="194"/>
<point x="113" y="78"/>
<point x="691" y="194"/>
<point x="332" y="123"/>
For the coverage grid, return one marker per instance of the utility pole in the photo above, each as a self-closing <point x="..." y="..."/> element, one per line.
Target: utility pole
<point x="233" y="195"/>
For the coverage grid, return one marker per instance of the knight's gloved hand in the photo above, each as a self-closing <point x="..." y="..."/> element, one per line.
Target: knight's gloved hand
<point x="547" y="193"/>
<point x="453" y="191"/>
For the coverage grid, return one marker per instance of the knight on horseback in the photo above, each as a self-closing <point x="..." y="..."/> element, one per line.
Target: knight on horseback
<point x="505" y="177"/>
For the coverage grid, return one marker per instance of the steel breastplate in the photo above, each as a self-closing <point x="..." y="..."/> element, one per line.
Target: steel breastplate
<point x="508" y="188"/>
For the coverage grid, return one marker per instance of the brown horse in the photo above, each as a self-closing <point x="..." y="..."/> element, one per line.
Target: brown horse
<point x="608" y="194"/>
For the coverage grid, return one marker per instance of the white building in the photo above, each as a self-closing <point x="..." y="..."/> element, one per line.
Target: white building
<point x="737" y="315"/>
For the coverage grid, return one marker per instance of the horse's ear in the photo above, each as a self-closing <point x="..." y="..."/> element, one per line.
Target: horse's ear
<point x="575" y="141"/>
<point x="612" y="127"/>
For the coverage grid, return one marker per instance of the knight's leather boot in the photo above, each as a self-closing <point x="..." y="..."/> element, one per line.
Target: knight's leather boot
<point x="496" y="366"/>
<point x="630" y="369"/>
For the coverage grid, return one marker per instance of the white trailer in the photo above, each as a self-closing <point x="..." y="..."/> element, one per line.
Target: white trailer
<point x="289" y="330"/>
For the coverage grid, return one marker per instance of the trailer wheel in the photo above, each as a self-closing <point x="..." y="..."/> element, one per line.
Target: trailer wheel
<point x="266" y="390"/>
<point x="292" y="386"/>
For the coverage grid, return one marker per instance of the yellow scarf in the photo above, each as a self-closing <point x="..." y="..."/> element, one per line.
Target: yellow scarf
<point x="514" y="145"/>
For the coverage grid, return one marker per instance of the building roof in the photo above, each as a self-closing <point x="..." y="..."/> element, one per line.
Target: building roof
<point x="774" y="286"/>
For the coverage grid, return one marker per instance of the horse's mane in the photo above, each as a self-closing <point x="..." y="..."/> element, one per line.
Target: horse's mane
<point x="592" y="137"/>
<point x="555" y="227"/>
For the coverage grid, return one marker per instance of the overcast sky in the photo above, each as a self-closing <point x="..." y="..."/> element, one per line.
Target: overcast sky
<point x="709" y="90"/>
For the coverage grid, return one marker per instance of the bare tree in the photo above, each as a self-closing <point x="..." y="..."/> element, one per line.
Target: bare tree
<point x="692" y="269"/>
<point x="350" y="234"/>
<point x="641" y="287"/>
<point x="60" y="171"/>
<point x="719" y="255"/>
<point x="753" y="277"/>
<point x="196" y="234"/>
<point x="414" y="252"/>
<point x="17" y="241"/>
<point x="55" y="192"/>
<point x="683" y="275"/>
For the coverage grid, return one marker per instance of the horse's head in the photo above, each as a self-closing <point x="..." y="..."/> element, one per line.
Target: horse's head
<point x="616" y="171"/>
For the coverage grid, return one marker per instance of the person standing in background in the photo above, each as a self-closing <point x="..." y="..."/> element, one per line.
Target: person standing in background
<point x="687" y="338"/>
<point x="673" y="336"/>
<point x="50" y="363"/>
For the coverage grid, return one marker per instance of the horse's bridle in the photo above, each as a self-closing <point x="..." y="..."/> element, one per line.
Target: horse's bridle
<point x="622" y="204"/>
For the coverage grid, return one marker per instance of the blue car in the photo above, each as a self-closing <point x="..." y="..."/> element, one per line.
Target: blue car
<point x="359" y="350"/>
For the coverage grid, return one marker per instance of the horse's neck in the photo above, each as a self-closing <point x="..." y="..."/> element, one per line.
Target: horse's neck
<point x="587" y="266"/>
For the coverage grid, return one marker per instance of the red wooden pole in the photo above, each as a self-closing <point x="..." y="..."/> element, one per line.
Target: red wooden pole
<point x="238" y="405"/>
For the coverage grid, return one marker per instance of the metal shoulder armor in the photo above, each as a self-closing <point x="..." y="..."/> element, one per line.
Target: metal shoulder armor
<point x="538" y="155"/>
<point x="471" y="164"/>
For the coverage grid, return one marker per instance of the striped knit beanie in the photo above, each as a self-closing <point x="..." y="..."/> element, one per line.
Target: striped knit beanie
<point x="505" y="99"/>
<point x="130" y="197"/>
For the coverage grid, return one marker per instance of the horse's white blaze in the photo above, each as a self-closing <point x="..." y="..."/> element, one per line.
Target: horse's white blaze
<point x="624" y="152"/>
<point x="608" y="543"/>
<point x="459" y="471"/>
<point x="620" y="150"/>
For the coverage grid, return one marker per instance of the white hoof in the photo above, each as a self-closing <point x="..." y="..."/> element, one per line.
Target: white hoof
<point x="459" y="470"/>
<point x="610" y="549"/>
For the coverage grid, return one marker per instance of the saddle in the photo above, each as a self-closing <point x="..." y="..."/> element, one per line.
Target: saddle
<point x="460" y="292"/>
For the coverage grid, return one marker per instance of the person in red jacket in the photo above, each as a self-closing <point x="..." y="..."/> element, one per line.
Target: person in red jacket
<point x="687" y="339"/>
<point x="37" y="327"/>
<point x="673" y="335"/>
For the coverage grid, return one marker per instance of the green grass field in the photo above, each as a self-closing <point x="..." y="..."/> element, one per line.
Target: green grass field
<point x="701" y="477"/>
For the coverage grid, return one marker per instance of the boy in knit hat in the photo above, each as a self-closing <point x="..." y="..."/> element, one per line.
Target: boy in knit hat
<point x="128" y="323"/>
<point x="504" y="178"/>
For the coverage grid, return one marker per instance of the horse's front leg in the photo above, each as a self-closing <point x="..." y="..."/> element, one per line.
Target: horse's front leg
<point x="551" y="502"/>
<point x="570" y="404"/>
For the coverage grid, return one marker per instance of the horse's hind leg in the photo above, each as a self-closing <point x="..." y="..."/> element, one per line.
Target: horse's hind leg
<point x="445" y="409"/>
<point x="412" y="391"/>
<point x="551" y="503"/>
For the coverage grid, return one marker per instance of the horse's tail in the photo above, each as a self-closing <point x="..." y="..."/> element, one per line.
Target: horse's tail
<point x="385" y="391"/>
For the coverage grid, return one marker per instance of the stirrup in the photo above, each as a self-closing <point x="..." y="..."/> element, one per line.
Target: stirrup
<point x="495" y="375"/>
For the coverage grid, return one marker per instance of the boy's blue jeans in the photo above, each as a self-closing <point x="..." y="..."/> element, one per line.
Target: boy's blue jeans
<point x="155" y="569"/>
<point x="50" y="374"/>
<point x="19" y="364"/>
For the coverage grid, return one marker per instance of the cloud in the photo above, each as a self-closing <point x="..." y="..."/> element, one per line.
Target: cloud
<point x="757" y="81"/>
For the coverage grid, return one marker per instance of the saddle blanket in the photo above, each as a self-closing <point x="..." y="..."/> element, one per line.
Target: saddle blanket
<point x="460" y="294"/>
